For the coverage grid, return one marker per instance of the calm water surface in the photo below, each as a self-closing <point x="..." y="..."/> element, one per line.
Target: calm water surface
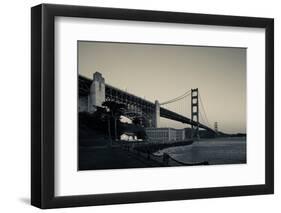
<point x="215" y="151"/>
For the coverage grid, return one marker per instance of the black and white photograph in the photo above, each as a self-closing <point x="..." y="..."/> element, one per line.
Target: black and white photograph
<point x="149" y="105"/>
<point x="160" y="105"/>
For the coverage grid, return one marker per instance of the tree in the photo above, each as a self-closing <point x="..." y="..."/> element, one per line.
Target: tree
<point x="115" y="111"/>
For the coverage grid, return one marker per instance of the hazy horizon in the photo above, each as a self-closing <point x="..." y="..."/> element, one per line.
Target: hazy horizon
<point x="162" y="72"/>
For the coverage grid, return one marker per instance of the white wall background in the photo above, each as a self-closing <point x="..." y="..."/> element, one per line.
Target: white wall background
<point x="15" y="106"/>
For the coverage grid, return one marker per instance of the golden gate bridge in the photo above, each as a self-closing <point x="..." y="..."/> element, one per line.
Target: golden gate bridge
<point x="189" y="108"/>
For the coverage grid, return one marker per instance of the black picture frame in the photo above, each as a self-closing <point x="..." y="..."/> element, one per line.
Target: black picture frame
<point x="43" y="102"/>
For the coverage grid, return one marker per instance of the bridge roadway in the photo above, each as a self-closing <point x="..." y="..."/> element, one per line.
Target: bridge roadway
<point x="113" y="93"/>
<point x="165" y="113"/>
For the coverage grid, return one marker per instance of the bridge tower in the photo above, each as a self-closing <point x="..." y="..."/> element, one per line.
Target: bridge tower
<point x="156" y="121"/>
<point x="195" y="113"/>
<point x="97" y="92"/>
<point x="216" y="127"/>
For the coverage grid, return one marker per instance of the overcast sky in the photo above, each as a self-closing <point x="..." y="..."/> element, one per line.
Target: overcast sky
<point x="162" y="72"/>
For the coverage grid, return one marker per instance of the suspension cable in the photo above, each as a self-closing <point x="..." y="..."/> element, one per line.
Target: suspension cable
<point x="202" y="117"/>
<point x="204" y="111"/>
<point x="177" y="98"/>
